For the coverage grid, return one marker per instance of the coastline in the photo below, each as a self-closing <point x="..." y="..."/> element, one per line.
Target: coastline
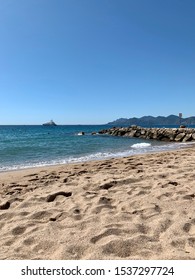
<point x="138" y="148"/>
<point x="136" y="207"/>
<point x="28" y="146"/>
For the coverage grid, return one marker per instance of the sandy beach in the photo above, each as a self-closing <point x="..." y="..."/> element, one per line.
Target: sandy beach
<point x="138" y="207"/>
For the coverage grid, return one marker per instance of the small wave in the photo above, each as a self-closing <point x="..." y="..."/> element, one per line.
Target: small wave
<point x="140" y="145"/>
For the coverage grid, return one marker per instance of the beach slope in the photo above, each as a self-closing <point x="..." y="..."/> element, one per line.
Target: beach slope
<point x="138" y="207"/>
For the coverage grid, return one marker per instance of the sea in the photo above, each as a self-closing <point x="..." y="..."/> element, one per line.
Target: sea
<point x="26" y="146"/>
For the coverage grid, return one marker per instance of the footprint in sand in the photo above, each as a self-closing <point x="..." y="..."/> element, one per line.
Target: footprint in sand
<point x="148" y="212"/>
<point x="90" y="195"/>
<point x="191" y="242"/>
<point x="29" y="241"/>
<point x="104" y="200"/>
<point x="53" y="196"/>
<point x="173" y="183"/>
<point x="135" y="246"/>
<point x="33" y="179"/>
<point x="5" y="205"/>
<point x="18" y="230"/>
<point x="178" y="243"/>
<point x="10" y="242"/>
<point x="107" y="186"/>
<point x="31" y="175"/>
<point x="165" y="196"/>
<point x="98" y="209"/>
<point x="189" y="227"/>
<point x="108" y="232"/>
<point x="40" y="215"/>
<point x="189" y="196"/>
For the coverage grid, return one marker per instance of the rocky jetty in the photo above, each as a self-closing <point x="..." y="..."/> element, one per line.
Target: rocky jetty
<point x="162" y="134"/>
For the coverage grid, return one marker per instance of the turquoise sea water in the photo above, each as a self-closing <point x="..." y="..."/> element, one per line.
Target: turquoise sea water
<point x="31" y="146"/>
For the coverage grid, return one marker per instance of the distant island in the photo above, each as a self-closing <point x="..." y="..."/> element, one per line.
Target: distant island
<point x="51" y="123"/>
<point x="154" y="121"/>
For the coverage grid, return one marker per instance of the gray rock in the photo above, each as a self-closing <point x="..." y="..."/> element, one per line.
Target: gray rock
<point x="143" y="132"/>
<point x="132" y="133"/>
<point x="180" y="136"/>
<point x="187" y="137"/>
<point x="193" y="136"/>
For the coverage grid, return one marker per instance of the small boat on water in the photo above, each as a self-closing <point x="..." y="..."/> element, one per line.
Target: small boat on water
<point x="51" y="123"/>
<point x="81" y="133"/>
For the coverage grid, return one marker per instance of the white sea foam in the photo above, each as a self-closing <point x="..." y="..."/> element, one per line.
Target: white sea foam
<point x="140" y="145"/>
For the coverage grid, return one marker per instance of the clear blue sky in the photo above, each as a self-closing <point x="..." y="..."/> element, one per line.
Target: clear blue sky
<point x="93" y="61"/>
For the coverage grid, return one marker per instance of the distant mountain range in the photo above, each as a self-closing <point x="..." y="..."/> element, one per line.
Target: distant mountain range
<point x="154" y="121"/>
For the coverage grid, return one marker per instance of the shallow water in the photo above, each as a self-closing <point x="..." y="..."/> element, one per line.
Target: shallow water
<point x="32" y="146"/>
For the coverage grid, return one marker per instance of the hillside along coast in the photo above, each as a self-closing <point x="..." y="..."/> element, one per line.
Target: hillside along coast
<point x="137" y="207"/>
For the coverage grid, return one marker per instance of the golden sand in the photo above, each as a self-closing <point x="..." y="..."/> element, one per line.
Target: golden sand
<point x="138" y="207"/>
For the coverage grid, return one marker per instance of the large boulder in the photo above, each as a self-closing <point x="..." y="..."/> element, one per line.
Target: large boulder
<point x="143" y="132"/>
<point x="193" y="136"/>
<point x="180" y="137"/>
<point x="131" y="133"/>
<point x="170" y="134"/>
<point x="188" y="137"/>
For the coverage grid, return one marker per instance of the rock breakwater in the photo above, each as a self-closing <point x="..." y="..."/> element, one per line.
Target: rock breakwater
<point x="162" y="134"/>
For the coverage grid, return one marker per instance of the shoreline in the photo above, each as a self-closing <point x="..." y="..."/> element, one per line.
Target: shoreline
<point x="180" y="146"/>
<point x="135" y="207"/>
